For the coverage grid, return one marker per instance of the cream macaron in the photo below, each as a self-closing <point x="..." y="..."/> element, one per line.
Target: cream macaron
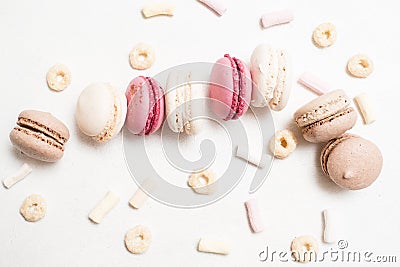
<point x="181" y="109"/>
<point x="101" y="111"/>
<point x="271" y="75"/>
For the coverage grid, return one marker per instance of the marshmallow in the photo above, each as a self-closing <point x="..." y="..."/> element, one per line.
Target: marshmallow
<point x="329" y="233"/>
<point x="251" y="157"/>
<point x="276" y="18"/>
<point x="215" y="5"/>
<point x="254" y="216"/>
<point x="314" y="84"/>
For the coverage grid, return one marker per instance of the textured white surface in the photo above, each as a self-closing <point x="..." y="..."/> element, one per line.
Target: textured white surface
<point x="94" y="38"/>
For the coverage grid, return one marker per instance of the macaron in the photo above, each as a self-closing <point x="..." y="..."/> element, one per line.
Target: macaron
<point x="230" y="88"/>
<point x="145" y="106"/>
<point x="271" y="74"/>
<point x="352" y="162"/>
<point x="179" y="106"/>
<point x="101" y="111"/>
<point x="326" y="117"/>
<point x="40" y="135"/>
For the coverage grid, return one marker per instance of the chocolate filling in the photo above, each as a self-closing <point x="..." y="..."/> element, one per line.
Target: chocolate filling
<point x="43" y="137"/>
<point x="38" y="127"/>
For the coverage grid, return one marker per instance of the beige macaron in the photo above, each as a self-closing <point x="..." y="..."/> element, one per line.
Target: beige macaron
<point x="326" y="117"/>
<point x="352" y="162"/>
<point x="40" y="135"/>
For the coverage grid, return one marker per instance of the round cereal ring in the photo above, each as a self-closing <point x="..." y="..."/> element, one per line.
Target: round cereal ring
<point x="58" y="77"/>
<point x="202" y="182"/>
<point x="33" y="208"/>
<point x="360" y="66"/>
<point x="304" y="248"/>
<point x="283" y="144"/>
<point x="138" y="239"/>
<point x="142" y="56"/>
<point x="324" y="35"/>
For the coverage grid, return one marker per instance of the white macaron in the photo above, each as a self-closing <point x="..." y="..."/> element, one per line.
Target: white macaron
<point x="101" y="111"/>
<point x="179" y="106"/>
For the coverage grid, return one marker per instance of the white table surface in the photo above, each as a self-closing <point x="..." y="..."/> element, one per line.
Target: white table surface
<point x="94" y="38"/>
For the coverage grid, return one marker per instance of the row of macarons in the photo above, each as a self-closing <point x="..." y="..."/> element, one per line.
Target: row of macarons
<point x="232" y="87"/>
<point x="102" y="110"/>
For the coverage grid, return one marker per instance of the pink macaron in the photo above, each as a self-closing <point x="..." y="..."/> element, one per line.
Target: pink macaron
<point x="230" y="88"/>
<point x="145" y="106"/>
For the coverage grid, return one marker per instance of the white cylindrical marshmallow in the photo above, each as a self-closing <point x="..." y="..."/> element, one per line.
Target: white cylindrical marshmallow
<point x="330" y="233"/>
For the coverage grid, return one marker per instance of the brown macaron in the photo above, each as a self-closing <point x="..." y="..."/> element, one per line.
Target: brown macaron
<point x="352" y="162"/>
<point x="326" y="117"/>
<point x="40" y="135"/>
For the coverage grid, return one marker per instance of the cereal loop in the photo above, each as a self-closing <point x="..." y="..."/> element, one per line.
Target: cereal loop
<point x="58" y="77"/>
<point x="142" y="56"/>
<point x="138" y="239"/>
<point x="360" y="66"/>
<point x="33" y="208"/>
<point x="324" y="35"/>
<point x="203" y="182"/>
<point x="283" y="144"/>
<point x="304" y="248"/>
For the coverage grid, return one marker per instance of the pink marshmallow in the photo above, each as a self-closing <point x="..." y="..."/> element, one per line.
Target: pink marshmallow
<point x="276" y="18"/>
<point x="215" y="5"/>
<point x="314" y="84"/>
<point x="254" y="216"/>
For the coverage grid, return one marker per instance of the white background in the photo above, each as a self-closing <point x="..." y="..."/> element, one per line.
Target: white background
<point x="94" y="38"/>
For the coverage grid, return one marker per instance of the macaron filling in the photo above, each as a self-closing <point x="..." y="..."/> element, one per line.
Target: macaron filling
<point x="239" y="83"/>
<point x="329" y="119"/>
<point x="40" y="128"/>
<point x="154" y="107"/>
<point x="39" y="135"/>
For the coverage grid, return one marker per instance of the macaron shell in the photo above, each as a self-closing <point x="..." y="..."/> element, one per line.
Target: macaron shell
<point x="329" y="147"/>
<point x="138" y="99"/>
<point x="284" y="83"/>
<point x="331" y="127"/>
<point x="174" y="102"/>
<point x="45" y="122"/>
<point x="221" y="88"/>
<point x="321" y="108"/>
<point x="95" y="108"/>
<point x="264" y="73"/>
<point x="354" y="163"/>
<point x="246" y="91"/>
<point x="121" y="109"/>
<point x="159" y="116"/>
<point x="36" y="145"/>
